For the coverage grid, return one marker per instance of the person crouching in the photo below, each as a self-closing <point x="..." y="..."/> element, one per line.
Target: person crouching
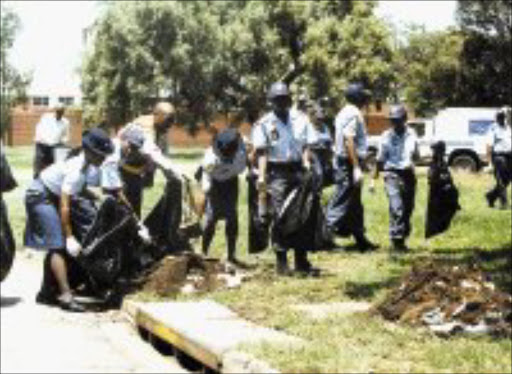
<point x="222" y="164"/>
<point x="48" y="205"/>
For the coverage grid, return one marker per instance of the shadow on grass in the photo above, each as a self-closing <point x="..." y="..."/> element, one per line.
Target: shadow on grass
<point x="360" y="291"/>
<point x="7" y="301"/>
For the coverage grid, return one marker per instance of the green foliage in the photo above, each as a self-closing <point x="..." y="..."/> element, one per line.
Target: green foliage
<point x="486" y="56"/>
<point x="429" y="69"/>
<point x="13" y="84"/>
<point x="211" y="56"/>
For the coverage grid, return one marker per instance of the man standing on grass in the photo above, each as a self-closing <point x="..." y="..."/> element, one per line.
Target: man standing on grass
<point x="282" y="142"/>
<point x="499" y="152"/>
<point x="222" y="164"/>
<point x="398" y="150"/>
<point x="52" y="130"/>
<point x="345" y="214"/>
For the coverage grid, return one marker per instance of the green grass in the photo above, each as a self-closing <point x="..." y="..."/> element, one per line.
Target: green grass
<point x="356" y="342"/>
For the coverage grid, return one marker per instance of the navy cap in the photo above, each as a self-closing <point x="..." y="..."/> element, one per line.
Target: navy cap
<point x="226" y="143"/>
<point x="97" y="141"/>
<point x="397" y="111"/>
<point x="278" y="89"/>
<point x="356" y="91"/>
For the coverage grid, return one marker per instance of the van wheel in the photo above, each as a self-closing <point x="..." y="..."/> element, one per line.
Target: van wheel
<point x="464" y="162"/>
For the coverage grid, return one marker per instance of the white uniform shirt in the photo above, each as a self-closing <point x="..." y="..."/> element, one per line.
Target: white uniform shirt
<point x="221" y="170"/>
<point x="69" y="176"/>
<point x="110" y="175"/>
<point x="350" y="122"/>
<point x="284" y="142"/>
<point x="397" y="152"/>
<point x="51" y="131"/>
<point x="500" y="138"/>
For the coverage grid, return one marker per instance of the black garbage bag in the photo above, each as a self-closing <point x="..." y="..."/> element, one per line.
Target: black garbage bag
<point x="443" y="199"/>
<point x="163" y="221"/>
<point x="108" y="235"/>
<point x="259" y="233"/>
<point x="300" y="219"/>
<point x="7" y="242"/>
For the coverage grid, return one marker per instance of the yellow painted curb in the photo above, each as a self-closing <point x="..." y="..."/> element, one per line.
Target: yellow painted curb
<point x="178" y="340"/>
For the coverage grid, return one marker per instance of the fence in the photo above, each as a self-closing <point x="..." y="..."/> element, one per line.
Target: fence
<point x="24" y="119"/>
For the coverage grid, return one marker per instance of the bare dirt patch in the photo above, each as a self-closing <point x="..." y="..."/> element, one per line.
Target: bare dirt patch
<point x="189" y="273"/>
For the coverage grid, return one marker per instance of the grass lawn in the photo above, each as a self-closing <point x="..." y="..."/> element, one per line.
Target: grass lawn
<point x="355" y="342"/>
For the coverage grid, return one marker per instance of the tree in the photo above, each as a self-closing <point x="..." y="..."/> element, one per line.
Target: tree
<point x="211" y="56"/>
<point x="429" y="70"/>
<point x="486" y="55"/>
<point x="13" y="84"/>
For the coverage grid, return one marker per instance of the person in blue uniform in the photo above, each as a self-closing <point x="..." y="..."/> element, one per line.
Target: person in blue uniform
<point x="282" y="142"/>
<point x="499" y="153"/>
<point x="345" y="213"/>
<point x="398" y="149"/>
<point x="48" y="203"/>
<point x="322" y="150"/>
<point x="223" y="162"/>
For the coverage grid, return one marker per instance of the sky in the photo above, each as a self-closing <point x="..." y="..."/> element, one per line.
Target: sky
<point x="50" y="41"/>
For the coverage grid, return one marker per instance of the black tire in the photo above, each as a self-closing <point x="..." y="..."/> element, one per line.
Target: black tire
<point x="464" y="162"/>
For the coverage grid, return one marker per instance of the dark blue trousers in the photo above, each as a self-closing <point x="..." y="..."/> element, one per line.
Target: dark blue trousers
<point x="345" y="212"/>
<point x="503" y="173"/>
<point x="401" y="190"/>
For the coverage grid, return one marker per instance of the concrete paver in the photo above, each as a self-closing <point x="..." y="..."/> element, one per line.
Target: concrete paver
<point x="40" y="339"/>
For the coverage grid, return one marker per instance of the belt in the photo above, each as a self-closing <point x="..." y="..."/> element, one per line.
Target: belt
<point x="284" y="166"/>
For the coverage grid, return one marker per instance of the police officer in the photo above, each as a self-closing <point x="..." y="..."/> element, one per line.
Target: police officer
<point x="499" y="152"/>
<point x="49" y="225"/>
<point x="398" y="149"/>
<point x="282" y="142"/>
<point x="222" y="163"/>
<point x="322" y="150"/>
<point x="345" y="214"/>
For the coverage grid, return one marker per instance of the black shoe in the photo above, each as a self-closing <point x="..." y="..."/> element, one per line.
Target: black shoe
<point x="309" y="271"/>
<point x="46" y="298"/>
<point x="490" y="201"/>
<point x="282" y="264"/>
<point x="364" y="245"/>
<point x="70" y="305"/>
<point x="398" y="245"/>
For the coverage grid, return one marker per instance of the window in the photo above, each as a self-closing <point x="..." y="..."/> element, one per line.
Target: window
<point x="419" y="127"/>
<point x="479" y="126"/>
<point x="66" y="100"/>
<point x="41" y="100"/>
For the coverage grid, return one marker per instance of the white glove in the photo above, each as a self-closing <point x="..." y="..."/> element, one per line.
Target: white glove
<point x="73" y="247"/>
<point x="488" y="169"/>
<point x="358" y="175"/>
<point x="143" y="233"/>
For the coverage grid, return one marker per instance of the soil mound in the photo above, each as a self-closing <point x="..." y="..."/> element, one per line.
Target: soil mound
<point x="449" y="299"/>
<point x="189" y="273"/>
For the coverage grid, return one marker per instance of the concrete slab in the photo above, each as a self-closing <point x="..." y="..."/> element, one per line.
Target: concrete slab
<point x="205" y="330"/>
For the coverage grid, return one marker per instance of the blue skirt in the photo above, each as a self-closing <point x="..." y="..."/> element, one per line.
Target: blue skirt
<point x="43" y="228"/>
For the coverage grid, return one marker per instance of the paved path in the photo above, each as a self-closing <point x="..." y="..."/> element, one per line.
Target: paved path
<point x="41" y="339"/>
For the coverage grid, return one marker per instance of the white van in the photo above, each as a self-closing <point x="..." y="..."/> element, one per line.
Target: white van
<point x="464" y="130"/>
